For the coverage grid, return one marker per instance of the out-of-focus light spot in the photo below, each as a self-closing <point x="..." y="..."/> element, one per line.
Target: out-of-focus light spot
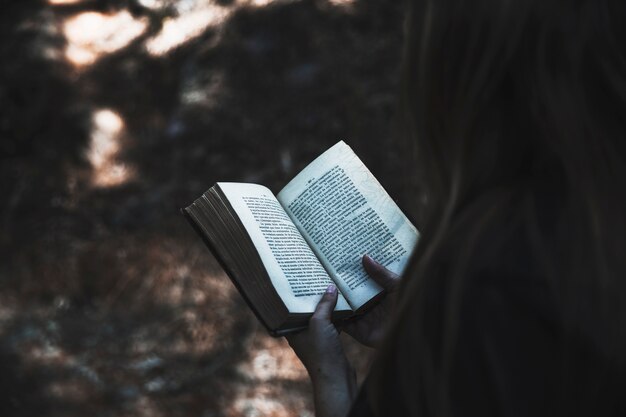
<point x="104" y="146"/>
<point x="80" y="56"/>
<point x="260" y="3"/>
<point x="115" y="174"/>
<point x="190" y="24"/>
<point x="279" y="363"/>
<point x="6" y="314"/>
<point x="202" y="90"/>
<point x="107" y="125"/>
<point x="341" y="2"/>
<point x="51" y="53"/>
<point x="91" y="34"/>
<point x="194" y="18"/>
<point x="260" y="405"/>
<point x="74" y="390"/>
<point x="108" y="120"/>
<point x="153" y="4"/>
<point x="64" y="2"/>
<point x="272" y="359"/>
<point x="45" y="354"/>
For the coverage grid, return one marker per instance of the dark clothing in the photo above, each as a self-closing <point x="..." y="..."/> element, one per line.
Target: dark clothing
<point x="511" y="358"/>
<point x="506" y="354"/>
<point x="509" y="362"/>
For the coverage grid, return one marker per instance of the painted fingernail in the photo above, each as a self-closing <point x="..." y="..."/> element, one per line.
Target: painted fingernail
<point x="331" y="289"/>
<point x="372" y="260"/>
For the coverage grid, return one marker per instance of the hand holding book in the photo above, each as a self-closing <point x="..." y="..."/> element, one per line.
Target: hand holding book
<point x="321" y="353"/>
<point x="369" y="328"/>
<point x="283" y="251"/>
<point x="319" y="347"/>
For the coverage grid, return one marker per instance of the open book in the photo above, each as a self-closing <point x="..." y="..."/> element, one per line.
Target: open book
<point x="283" y="251"/>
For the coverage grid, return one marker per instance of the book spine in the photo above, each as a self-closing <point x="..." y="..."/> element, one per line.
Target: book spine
<point x="228" y="271"/>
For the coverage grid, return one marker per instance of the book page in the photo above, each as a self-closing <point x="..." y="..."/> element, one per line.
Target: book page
<point x="295" y="271"/>
<point x="344" y="213"/>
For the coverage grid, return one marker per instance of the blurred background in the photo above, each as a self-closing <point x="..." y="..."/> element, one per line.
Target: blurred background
<point x="116" y="113"/>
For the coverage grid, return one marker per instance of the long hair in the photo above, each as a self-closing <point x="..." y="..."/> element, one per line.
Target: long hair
<point x="515" y="120"/>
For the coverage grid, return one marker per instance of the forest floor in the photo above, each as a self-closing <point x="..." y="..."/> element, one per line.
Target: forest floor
<point x="114" y="114"/>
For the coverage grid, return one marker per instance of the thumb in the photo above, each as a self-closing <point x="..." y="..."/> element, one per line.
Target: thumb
<point x="325" y="307"/>
<point x="383" y="277"/>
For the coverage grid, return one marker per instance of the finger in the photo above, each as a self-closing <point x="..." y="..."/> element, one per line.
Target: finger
<point x="383" y="277"/>
<point x="325" y="307"/>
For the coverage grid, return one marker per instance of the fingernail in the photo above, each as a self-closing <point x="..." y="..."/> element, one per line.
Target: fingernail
<point x="331" y="289"/>
<point x="370" y="259"/>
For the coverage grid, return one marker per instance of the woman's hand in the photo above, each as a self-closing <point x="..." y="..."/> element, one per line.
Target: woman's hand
<point x="369" y="329"/>
<point x="320" y="350"/>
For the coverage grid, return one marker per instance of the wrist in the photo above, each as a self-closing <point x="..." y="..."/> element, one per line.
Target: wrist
<point x="334" y="389"/>
<point x="336" y="372"/>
